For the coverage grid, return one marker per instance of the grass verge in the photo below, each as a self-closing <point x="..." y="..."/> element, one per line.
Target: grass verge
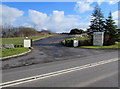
<point x="116" y="46"/>
<point x="13" y="51"/>
<point x="15" y="41"/>
<point x="19" y="40"/>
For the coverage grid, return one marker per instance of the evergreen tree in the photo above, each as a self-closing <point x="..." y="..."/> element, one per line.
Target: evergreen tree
<point x="110" y="30"/>
<point x="110" y="25"/>
<point x="97" y="22"/>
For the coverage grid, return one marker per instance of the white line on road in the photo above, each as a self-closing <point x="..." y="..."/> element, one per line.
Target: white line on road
<point x="33" y="78"/>
<point x="96" y="79"/>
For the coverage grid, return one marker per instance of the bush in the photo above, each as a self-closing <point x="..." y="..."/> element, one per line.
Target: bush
<point x="85" y="42"/>
<point x="108" y="40"/>
<point x="82" y="41"/>
<point x="76" y="31"/>
<point x="69" y="43"/>
<point x="18" y="45"/>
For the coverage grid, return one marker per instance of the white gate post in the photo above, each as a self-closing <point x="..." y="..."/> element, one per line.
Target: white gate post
<point x="27" y="43"/>
<point x="75" y="43"/>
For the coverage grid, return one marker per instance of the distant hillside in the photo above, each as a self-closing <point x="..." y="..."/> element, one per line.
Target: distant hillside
<point x="44" y="32"/>
<point x="10" y="31"/>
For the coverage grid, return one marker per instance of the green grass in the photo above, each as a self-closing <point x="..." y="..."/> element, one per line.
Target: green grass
<point x="19" y="40"/>
<point x="15" y="41"/>
<point x="79" y="38"/>
<point x="41" y="36"/>
<point x="116" y="46"/>
<point x="12" y="51"/>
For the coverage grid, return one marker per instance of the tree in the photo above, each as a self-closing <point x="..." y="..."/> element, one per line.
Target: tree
<point x="97" y="22"/>
<point x="110" y="25"/>
<point x="27" y="31"/>
<point x="8" y="30"/>
<point x="76" y="31"/>
<point x="110" y="30"/>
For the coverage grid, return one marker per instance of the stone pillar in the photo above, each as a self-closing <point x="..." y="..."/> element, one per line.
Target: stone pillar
<point x="98" y="38"/>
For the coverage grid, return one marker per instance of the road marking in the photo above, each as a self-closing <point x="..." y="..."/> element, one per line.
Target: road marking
<point x="33" y="78"/>
<point x="93" y="80"/>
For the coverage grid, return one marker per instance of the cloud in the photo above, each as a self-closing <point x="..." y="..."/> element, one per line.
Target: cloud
<point x="101" y="1"/>
<point x="82" y="7"/>
<point x="117" y="23"/>
<point x="9" y="14"/>
<point x="115" y="15"/>
<point x="57" y="16"/>
<point x="57" y="21"/>
<point x="37" y="17"/>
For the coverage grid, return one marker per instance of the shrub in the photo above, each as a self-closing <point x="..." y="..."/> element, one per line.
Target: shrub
<point x="85" y="42"/>
<point x="69" y="43"/>
<point x="82" y="41"/>
<point x="76" y="31"/>
<point x="18" y="45"/>
<point x="108" y="40"/>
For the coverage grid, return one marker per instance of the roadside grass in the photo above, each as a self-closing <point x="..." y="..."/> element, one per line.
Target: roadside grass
<point x="12" y="51"/>
<point x="79" y="38"/>
<point x="116" y="46"/>
<point x="15" y="41"/>
<point x="19" y="40"/>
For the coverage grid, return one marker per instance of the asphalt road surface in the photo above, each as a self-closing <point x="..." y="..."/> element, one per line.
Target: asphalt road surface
<point x="100" y="76"/>
<point x="50" y="56"/>
<point x="104" y="75"/>
<point x="50" y="50"/>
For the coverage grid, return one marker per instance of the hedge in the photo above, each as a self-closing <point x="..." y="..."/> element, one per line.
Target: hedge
<point x="82" y="41"/>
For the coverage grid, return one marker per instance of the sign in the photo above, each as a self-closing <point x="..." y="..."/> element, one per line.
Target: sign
<point x="27" y="43"/>
<point x="75" y="43"/>
<point x="98" y="38"/>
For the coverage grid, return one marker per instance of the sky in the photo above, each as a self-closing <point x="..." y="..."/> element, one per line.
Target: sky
<point x="55" y="16"/>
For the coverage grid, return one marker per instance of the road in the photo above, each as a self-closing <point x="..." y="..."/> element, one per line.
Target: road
<point x="96" y="76"/>
<point x="103" y="75"/>
<point x="100" y="76"/>
<point x="51" y="51"/>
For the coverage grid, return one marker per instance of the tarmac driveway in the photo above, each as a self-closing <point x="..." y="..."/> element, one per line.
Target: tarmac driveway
<point x="50" y="50"/>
